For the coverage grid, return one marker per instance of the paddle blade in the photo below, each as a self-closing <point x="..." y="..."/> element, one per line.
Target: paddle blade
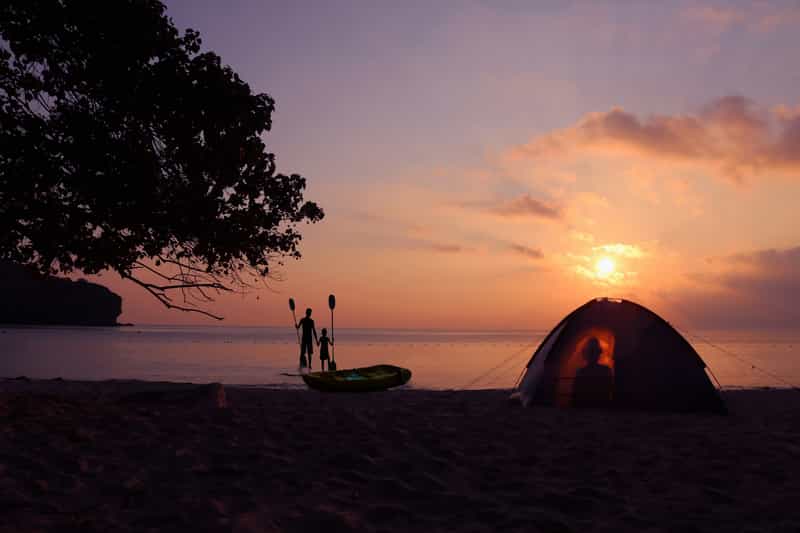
<point x="332" y="301"/>
<point x="291" y="304"/>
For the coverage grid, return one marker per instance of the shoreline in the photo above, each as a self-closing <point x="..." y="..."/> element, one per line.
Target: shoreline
<point x="132" y="382"/>
<point x="11" y="325"/>
<point x="284" y="328"/>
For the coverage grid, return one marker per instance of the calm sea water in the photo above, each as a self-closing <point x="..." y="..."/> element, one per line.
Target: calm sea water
<point x="260" y="356"/>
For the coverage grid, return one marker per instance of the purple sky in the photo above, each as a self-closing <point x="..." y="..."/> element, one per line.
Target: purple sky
<point x="477" y="160"/>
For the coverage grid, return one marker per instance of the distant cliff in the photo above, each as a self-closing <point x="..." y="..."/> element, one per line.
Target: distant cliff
<point x="28" y="298"/>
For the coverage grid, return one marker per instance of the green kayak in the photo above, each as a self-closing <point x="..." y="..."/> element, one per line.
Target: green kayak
<point x="370" y="378"/>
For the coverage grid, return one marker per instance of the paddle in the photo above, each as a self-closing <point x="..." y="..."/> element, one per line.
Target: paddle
<point x="332" y="305"/>
<point x="303" y="363"/>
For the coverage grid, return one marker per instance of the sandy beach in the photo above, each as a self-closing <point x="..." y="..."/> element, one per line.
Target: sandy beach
<point x="136" y="456"/>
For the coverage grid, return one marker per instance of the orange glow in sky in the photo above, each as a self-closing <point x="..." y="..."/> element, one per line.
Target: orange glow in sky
<point x="467" y="186"/>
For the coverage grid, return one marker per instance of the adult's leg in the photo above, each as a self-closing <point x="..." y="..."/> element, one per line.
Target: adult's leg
<point x="303" y="361"/>
<point x="310" y="351"/>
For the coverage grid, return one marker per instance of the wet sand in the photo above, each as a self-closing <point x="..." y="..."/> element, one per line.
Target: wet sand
<point x="133" y="456"/>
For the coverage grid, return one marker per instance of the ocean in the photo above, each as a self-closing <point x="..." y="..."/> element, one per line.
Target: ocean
<point x="260" y="356"/>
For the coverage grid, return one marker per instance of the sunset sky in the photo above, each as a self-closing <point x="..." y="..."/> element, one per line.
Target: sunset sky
<point x="493" y="165"/>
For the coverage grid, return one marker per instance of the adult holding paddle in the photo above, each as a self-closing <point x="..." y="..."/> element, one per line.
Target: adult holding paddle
<point x="306" y="324"/>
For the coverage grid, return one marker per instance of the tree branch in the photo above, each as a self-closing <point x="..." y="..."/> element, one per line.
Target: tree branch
<point x="158" y="293"/>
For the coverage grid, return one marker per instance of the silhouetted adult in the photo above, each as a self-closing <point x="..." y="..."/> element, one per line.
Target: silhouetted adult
<point x="306" y="342"/>
<point x="594" y="383"/>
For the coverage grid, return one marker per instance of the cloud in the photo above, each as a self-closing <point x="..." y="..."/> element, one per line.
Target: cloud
<point x="789" y="16"/>
<point x="629" y="251"/>
<point x="784" y="112"/>
<point x="771" y="273"/>
<point x="605" y="280"/>
<point x="530" y="253"/>
<point x="731" y="136"/>
<point x="527" y="206"/>
<point x="760" y="289"/>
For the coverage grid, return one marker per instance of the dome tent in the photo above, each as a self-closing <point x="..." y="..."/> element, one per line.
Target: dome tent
<point x="618" y="354"/>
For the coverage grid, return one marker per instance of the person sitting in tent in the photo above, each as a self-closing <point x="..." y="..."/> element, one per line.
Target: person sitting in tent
<point x="306" y="344"/>
<point x="323" y="343"/>
<point x="594" y="383"/>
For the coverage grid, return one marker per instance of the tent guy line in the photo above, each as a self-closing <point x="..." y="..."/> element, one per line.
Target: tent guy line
<point x="742" y="359"/>
<point x="502" y="363"/>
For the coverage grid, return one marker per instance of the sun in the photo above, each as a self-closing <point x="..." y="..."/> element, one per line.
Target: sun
<point x="604" y="267"/>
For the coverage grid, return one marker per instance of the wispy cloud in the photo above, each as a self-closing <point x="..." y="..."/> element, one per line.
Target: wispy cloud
<point x="789" y="16"/>
<point x="445" y="248"/>
<point x="714" y="16"/>
<point x="527" y="251"/>
<point x="629" y="251"/>
<point x="759" y="16"/>
<point x="527" y="206"/>
<point x="582" y="236"/>
<point x="610" y="279"/>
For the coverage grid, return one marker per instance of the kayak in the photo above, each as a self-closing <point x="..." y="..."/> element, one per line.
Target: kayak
<point x="367" y="379"/>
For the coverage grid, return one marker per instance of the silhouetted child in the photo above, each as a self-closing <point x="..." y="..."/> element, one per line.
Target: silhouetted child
<point x="323" y="343"/>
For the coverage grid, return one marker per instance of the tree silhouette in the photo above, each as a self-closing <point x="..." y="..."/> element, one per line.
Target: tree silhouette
<point x="124" y="147"/>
